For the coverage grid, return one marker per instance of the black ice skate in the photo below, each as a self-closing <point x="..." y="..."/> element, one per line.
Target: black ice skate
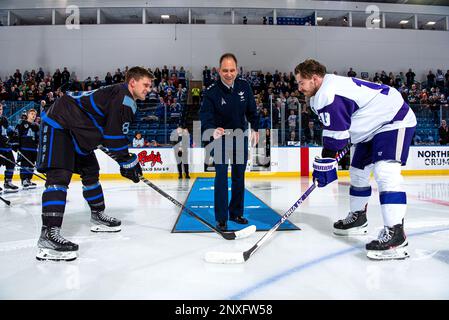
<point x="9" y="187"/>
<point x="355" y="224"/>
<point x="27" y="184"/>
<point x="391" y="244"/>
<point x="104" y="223"/>
<point x="52" y="246"/>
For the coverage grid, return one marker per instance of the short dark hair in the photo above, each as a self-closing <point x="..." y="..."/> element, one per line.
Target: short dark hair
<point x="228" y="55"/>
<point x="138" y="73"/>
<point x="310" y="67"/>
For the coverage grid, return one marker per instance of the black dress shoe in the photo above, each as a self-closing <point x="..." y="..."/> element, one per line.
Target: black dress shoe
<point x="222" y="225"/>
<point x="239" y="220"/>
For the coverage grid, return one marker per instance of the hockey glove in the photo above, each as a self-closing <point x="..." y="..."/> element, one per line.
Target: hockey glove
<point x="131" y="169"/>
<point x="324" y="171"/>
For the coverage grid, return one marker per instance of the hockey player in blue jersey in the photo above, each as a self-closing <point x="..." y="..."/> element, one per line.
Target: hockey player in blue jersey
<point x="380" y="124"/>
<point x="72" y="128"/>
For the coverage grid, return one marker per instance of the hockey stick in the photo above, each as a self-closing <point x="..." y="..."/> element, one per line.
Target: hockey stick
<point x="17" y="165"/>
<point x="6" y="201"/>
<point x="228" y="235"/>
<point x="240" y="257"/>
<point x="34" y="166"/>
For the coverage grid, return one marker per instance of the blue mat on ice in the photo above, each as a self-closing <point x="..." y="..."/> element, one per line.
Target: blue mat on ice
<point x="201" y="201"/>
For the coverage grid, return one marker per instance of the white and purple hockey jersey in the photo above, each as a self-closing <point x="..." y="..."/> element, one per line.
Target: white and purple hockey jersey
<point x="350" y="108"/>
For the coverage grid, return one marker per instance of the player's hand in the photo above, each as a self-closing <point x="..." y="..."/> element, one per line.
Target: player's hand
<point x="131" y="169"/>
<point x="324" y="171"/>
<point x="218" y="133"/>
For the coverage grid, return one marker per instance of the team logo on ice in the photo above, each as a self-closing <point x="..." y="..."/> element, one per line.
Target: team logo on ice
<point x="153" y="158"/>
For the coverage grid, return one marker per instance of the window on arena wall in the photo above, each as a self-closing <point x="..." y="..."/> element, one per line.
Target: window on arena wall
<point x="29" y="17"/>
<point x="211" y="16"/>
<point x="87" y="16"/>
<point x="295" y="17"/>
<point x="3" y="18"/>
<point x="121" y="15"/>
<point x="330" y="18"/>
<point x="431" y="22"/>
<point x="167" y="15"/>
<point x="252" y="16"/>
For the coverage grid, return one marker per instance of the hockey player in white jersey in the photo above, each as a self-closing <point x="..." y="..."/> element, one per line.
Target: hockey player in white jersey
<point x="380" y="124"/>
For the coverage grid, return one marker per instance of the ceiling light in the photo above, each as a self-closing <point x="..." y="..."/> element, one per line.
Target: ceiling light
<point x="431" y="23"/>
<point x="41" y="18"/>
<point x="319" y="18"/>
<point x="165" y="16"/>
<point x="403" y="22"/>
<point x="376" y="20"/>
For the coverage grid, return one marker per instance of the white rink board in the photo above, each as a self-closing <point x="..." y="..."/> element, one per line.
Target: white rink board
<point x="283" y="159"/>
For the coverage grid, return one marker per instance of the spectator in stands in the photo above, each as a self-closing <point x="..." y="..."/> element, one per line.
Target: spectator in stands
<point x="430" y="79"/>
<point x="138" y="141"/>
<point x="195" y="92"/>
<point x="17" y="77"/>
<point x="158" y="77"/>
<point x="65" y="77"/>
<point x="446" y="77"/>
<point x="276" y="116"/>
<point x="245" y="20"/>
<point x="293" y="139"/>
<point x="410" y="75"/>
<point x="292" y="120"/>
<point x="160" y="109"/>
<point x="164" y="73"/>
<point x="57" y="79"/>
<point x="292" y="102"/>
<point x="181" y="94"/>
<point x="168" y="98"/>
<point x="443" y="132"/>
<point x="182" y="77"/>
<point x="108" y="79"/>
<point x="153" y="96"/>
<point x="351" y="73"/>
<point x="175" y="110"/>
<point x="117" y="78"/>
<point x="96" y="84"/>
<point x="43" y="106"/>
<point x="440" y="79"/>
<point x="206" y="76"/>
<point x="310" y="135"/>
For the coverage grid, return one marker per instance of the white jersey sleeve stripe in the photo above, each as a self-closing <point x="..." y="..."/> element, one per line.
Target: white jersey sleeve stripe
<point x="338" y="135"/>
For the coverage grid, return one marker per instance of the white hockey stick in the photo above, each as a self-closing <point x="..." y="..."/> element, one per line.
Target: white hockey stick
<point x="241" y="257"/>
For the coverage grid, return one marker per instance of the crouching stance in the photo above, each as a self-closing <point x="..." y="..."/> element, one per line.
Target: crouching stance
<point x="72" y="129"/>
<point x="380" y="125"/>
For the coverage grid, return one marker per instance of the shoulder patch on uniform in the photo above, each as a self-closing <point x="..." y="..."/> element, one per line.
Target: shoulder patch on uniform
<point x="211" y="86"/>
<point x="129" y="102"/>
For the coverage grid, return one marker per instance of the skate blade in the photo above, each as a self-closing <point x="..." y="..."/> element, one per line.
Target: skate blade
<point x="102" y="228"/>
<point x="11" y="191"/>
<point x="359" y="231"/>
<point x="53" y="255"/>
<point x="399" y="253"/>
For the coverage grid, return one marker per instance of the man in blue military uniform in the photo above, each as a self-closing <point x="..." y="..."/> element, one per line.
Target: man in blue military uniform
<point x="227" y="107"/>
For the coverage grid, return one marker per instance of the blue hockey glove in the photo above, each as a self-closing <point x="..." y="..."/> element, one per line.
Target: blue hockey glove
<point x="324" y="171"/>
<point x="131" y="169"/>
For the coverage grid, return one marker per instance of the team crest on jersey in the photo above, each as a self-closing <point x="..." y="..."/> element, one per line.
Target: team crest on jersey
<point x="242" y="96"/>
<point x="26" y="126"/>
<point x="223" y="102"/>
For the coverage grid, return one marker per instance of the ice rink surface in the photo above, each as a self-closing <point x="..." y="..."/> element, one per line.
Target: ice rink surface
<point x="146" y="261"/>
